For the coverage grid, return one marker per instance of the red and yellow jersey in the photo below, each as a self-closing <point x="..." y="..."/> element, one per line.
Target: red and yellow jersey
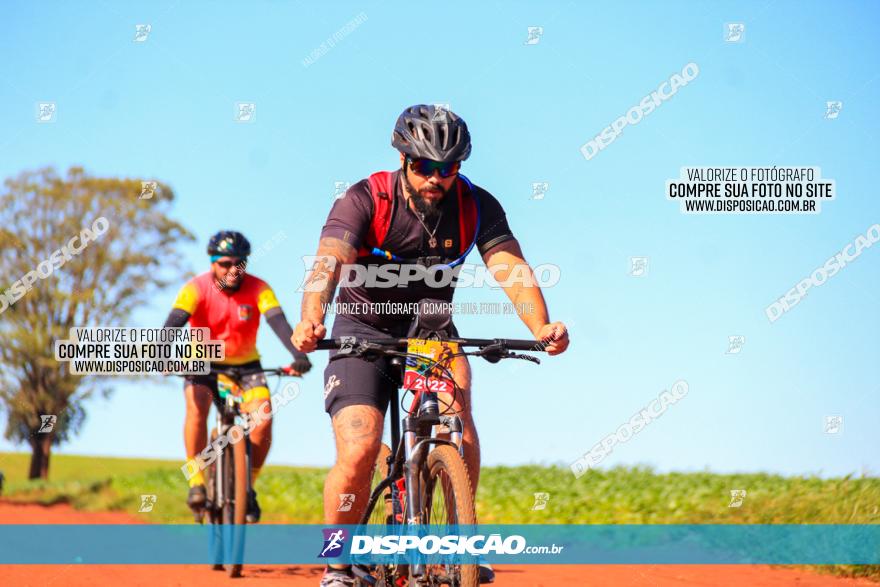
<point x="232" y="316"/>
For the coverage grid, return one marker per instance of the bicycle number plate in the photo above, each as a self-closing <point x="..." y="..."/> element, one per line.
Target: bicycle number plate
<point x="419" y="376"/>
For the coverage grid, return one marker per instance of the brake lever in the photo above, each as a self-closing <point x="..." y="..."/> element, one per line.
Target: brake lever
<point x="531" y="358"/>
<point x="495" y="352"/>
<point x="363" y="350"/>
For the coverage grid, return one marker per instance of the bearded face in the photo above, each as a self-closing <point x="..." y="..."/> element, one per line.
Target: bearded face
<point x="427" y="197"/>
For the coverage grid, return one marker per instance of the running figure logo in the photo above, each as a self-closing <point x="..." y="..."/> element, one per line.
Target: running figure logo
<point x="735" y="344"/>
<point x="539" y="189"/>
<point x="737" y="496"/>
<point x="46" y="112"/>
<point x="535" y="34"/>
<point x="332" y="384"/>
<point x="148" y="190"/>
<point x="319" y="270"/>
<point x="441" y="112"/>
<point x="334" y="542"/>
<point x="147" y="503"/>
<point x="832" y="109"/>
<point x="141" y="32"/>
<point x="347" y="344"/>
<point x="47" y="423"/>
<point x="638" y="266"/>
<point x="346" y="500"/>
<point x="340" y="188"/>
<point x="833" y="424"/>
<point x="541" y="500"/>
<point x="245" y="112"/>
<point x="734" y="32"/>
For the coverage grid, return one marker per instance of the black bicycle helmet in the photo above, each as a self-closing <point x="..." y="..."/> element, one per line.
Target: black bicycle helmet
<point x="229" y="243"/>
<point x="426" y="131"/>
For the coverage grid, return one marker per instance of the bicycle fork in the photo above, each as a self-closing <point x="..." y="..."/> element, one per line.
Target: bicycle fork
<point x="412" y="470"/>
<point x="453" y="424"/>
<point x="413" y="458"/>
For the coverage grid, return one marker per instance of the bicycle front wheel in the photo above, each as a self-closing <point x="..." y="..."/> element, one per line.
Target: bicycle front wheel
<point x="448" y="501"/>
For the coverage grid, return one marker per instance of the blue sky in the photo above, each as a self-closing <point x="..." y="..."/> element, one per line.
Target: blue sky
<point x="164" y="108"/>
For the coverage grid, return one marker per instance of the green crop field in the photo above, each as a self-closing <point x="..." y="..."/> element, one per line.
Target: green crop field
<point x="506" y="495"/>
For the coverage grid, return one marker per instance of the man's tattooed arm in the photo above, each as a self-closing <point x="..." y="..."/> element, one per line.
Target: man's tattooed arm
<point x="320" y="286"/>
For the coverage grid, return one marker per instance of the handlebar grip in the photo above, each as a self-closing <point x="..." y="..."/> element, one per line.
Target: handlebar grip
<point x="524" y="345"/>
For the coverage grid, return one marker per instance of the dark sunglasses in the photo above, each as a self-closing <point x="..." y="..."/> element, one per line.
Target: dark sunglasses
<point x="228" y="264"/>
<point x="426" y="167"/>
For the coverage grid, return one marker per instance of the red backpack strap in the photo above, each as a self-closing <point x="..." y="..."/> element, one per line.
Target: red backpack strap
<point x="467" y="216"/>
<point x="382" y="192"/>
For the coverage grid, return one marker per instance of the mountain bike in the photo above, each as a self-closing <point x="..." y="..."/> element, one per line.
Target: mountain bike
<point x="423" y="481"/>
<point x="228" y="477"/>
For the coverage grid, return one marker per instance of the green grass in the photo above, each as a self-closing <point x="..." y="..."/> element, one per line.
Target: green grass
<point x="506" y="495"/>
<point x="639" y="496"/>
<point x="287" y="494"/>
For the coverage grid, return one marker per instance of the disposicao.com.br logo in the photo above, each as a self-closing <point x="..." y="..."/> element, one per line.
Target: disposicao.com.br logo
<point x="373" y="545"/>
<point x="433" y="544"/>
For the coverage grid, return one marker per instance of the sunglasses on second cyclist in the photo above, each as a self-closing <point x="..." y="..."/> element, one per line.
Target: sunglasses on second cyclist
<point x="230" y="264"/>
<point x="426" y="167"/>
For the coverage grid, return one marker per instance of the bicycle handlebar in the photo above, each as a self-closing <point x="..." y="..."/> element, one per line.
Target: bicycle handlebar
<point x="235" y="370"/>
<point x="232" y="369"/>
<point x="392" y="344"/>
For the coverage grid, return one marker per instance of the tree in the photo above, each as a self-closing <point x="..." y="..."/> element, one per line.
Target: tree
<point x="75" y="251"/>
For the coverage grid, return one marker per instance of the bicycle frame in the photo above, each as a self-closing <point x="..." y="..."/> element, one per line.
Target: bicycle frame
<point x="411" y="443"/>
<point x="227" y="410"/>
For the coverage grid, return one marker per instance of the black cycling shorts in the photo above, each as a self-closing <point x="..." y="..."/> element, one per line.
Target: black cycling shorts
<point x="353" y="381"/>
